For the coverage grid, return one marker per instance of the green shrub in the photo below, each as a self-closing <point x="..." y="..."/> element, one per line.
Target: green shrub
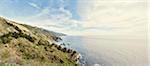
<point x="69" y="50"/>
<point x="6" y="40"/>
<point x="64" y="49"/>
<point x="59" y="47"/>
<point x="43" y="42"/>
<point x="7" y="64"/>
<point x="32" y="39"/>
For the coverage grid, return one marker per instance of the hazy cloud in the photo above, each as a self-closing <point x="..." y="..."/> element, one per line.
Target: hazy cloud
<point x="117" y="16"/>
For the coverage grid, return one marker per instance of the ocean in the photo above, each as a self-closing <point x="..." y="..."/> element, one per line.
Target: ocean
<point x="110" y="50"/>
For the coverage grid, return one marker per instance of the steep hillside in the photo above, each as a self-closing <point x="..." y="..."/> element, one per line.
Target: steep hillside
<point x="24" y="45"/>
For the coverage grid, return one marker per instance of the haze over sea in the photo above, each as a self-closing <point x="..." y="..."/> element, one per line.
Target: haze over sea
<point x="111" y="50"/>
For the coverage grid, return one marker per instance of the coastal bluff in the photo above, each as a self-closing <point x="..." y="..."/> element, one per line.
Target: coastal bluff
<point x="25" y="45"/>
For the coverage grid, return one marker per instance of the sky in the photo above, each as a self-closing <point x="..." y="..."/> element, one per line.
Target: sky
<point x="81" y="17"/>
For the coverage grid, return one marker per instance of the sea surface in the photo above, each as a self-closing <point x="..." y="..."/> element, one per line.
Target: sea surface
<point x="110" y="50"/>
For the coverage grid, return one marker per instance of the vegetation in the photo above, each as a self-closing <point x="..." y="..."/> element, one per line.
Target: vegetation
<point x="11" y="64"/>
<point x="24" y="45"/>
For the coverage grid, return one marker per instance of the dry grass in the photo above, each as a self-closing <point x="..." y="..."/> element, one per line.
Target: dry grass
<point x="30" y="46"/>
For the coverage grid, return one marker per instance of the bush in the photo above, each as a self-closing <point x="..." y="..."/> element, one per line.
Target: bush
<point x="1" y="41"/>
<point x="28" y="37"/>
<point x="6" y="64"/>
<point x="64" y="49"/>
<point x="51" y="45"/>
<point x="43" y="42"/>
<point x="69" y="51"/>
<point x="32" y="39"/>
<point x="6" y="40"/>
<point x="15" y="35"/>
<point x="59" y="47"/>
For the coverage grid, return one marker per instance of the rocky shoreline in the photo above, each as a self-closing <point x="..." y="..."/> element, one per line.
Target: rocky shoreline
<point x="25" y="45"/>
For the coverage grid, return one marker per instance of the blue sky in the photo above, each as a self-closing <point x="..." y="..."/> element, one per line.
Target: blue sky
<point x="26" y="8"/>
<point x="80" y="17"/>
<point x="51" y="13"/>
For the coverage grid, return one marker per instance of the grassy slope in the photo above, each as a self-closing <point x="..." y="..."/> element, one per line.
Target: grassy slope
<point x="30" y="46"/>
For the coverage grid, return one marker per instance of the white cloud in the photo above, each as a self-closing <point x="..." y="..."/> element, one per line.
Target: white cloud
<point x="98" y="17"/>
<point x="34" y="5"/>
<point x="122" y="17"/>
<point x="56" y="19"/>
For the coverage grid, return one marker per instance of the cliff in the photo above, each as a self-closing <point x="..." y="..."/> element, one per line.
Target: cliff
<point x="25" y="45"/>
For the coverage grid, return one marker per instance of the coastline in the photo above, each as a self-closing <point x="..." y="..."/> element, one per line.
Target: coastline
<point x="30" y="45"/>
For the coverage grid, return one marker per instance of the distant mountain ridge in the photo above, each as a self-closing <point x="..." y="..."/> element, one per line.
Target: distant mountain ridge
<point x="44" y="30"/>
<point x="25" y="45"/>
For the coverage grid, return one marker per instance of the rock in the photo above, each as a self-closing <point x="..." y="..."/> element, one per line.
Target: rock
<point x="75" y="56"/>
<point x="97" y="65"/>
